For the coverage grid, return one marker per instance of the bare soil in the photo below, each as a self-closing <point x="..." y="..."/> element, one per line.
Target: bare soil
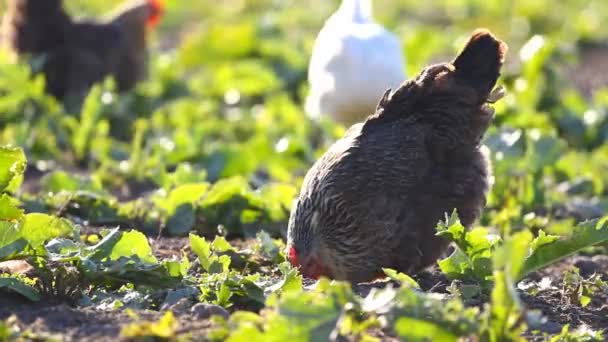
<point x="71" y="323"/>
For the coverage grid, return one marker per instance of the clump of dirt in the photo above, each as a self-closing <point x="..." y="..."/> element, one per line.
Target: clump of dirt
<point x="550" y="299"/>
<point x="68" y="323"/>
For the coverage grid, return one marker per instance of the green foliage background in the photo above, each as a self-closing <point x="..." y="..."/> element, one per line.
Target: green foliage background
<point x="216" y="143"/>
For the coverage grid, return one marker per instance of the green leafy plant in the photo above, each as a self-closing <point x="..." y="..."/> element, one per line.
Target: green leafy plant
<point x="472" y="258"/>
<point x="577" y="289"/>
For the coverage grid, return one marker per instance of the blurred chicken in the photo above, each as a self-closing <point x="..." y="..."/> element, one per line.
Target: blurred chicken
<point x="76" y="54"/>
<point x="374" y="198"/>
<point x="354" y="60"/>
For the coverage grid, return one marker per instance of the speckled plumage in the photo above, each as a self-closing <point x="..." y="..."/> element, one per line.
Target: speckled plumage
<point x="374" y="198"/>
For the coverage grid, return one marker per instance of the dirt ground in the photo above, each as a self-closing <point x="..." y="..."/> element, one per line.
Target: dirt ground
<point x="72" y="323"/>
<point x="553" y="302"/>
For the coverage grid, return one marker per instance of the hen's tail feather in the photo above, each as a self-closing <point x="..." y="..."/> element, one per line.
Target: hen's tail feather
<point x="480" y="61"/>
<point x="478" y="65"/>
<point x="30" y="26"/>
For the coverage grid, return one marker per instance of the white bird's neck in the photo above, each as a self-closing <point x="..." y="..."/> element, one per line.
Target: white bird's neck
<point x="358" y="11"/>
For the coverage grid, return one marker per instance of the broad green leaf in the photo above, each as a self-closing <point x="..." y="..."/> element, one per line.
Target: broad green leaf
<point x="403" y="278"/>
<point x="59" y="181"/>
<point x="128" y="271"/>
<point x="219" y="264"/>
<point x="89" y="116"/>
<point x="9" y="210"/>
<point x="411" y="329"/>
<point x="202" y="249"/>
<point x="314" y="315"/>
<point x="220" y="245"/>
<point x="457" y="265"/>
<point x="63" y="249"/>
<point x="13" y="249"/>
<point x="505" y="310"/>
<point x="584" y="235"/>
<point x="16" y="285"/>
<point x="511" y="256"/>
<point x="9" y="233"/>
<point x="133" y="243"/>
<point x="223" y="295"/>
<point x="180" y="202"/>
<point x="292" y="280"/>
<point x="542" y="239"/>
<point x="40" y="228"/>
<point x="472" y="258"/>
<point x="12" y="167"/>
<point x="104" y="248"/>
<point x="503" y="321"/>
<point x="182" y="220"/>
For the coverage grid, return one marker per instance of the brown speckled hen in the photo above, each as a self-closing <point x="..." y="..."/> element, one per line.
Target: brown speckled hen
<point x="374" y="198"/>
<point x="76" y="54"/>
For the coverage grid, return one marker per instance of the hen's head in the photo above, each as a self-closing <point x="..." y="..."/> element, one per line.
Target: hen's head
<point x="304" y="248"/>
<point x="156" y="9"/>
<point x="454" y="97"/>
<point x="137" y="14"/>
<point x="311" y="267"/>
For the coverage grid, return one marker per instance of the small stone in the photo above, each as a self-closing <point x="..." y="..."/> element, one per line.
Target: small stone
<point x="205" y="311"/>
<point x="551" y="327"/>
<point x="178" y="308"/>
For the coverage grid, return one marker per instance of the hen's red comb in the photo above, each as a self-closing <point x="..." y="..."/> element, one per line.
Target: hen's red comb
<point x="157" y="11"/>
<point x="292" y="255"/>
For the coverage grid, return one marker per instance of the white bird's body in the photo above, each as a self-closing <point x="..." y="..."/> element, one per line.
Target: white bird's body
<point x="354" y="61"/>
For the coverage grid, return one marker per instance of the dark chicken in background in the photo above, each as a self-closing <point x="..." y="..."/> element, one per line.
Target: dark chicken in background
<point x="374" y="198"/>
<point x="76" y="54"/>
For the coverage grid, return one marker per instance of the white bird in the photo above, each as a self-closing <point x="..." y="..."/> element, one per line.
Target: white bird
<point x="354" y="61"/>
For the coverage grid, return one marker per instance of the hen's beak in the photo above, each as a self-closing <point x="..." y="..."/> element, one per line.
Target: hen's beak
<point x="313" y="268"/>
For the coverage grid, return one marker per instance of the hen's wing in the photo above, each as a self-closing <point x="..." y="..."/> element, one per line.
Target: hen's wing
<point x="71" y="71"/>
<point x="365" y="218"/>
<point x="103" y="40"/>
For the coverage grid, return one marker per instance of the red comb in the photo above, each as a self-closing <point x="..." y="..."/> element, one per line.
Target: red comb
<point x="157" y="11"/>
<point x="292" y="255"/>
